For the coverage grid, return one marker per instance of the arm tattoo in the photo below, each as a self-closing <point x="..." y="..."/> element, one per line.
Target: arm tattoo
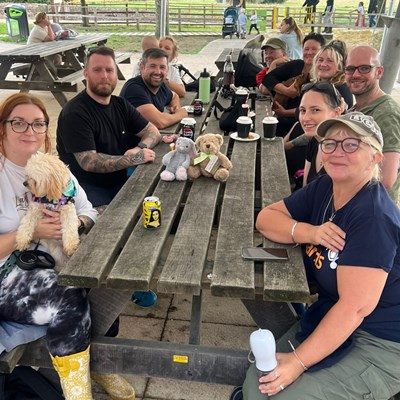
<point x="101" y="163"/>
<point x="150" y="135"/>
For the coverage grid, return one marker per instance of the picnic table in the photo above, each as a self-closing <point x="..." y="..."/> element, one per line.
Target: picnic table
<point x="30" y="61"/>
<point x="204" y="225"/>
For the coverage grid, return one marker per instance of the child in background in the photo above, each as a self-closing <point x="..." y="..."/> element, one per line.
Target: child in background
<point x="253" y="22"/>
<point x="360" y="15"/>
<point x="148" y="42"/>
<point x="242" y="22"/>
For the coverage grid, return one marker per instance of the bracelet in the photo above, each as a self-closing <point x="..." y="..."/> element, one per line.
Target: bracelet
<point x="292" y="233"/>
<point x="297" y="356"/>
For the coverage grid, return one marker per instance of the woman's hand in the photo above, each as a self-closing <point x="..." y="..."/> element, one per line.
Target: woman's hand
<point x="329" y="235"/>
<point x="286" y="372"/>
<point x="48" y="227"/>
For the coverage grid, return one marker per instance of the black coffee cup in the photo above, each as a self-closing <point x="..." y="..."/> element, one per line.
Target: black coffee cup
<point x="243" y="127"/>
<point x="269" y="127"/>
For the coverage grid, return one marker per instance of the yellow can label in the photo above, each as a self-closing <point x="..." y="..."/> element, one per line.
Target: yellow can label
<point x="151" y="212"/>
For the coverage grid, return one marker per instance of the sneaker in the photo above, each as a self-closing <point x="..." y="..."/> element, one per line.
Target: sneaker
<point x="237" y="393"/>
<point x="144" y="299"/>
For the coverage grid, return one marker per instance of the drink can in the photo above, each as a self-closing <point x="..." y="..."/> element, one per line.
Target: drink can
<point x="188" y="127"/>
<point x="197" y="107"/>
<point x="151" y="212"/>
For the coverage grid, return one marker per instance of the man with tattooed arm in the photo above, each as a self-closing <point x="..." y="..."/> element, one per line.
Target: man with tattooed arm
<point x="100" y="135"/>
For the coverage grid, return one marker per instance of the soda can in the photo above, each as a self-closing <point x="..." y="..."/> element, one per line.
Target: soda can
<point x="188" y="127"/>
<point x="151" y="212"/>
<point x="197" y="107"/>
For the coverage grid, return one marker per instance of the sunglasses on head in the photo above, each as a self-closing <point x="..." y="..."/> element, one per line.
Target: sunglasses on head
<point x="324" y="87"/>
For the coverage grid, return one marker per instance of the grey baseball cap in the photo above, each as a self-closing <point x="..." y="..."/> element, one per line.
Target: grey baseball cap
<point x="363" y="125"/>
<point x="274" y="43"/>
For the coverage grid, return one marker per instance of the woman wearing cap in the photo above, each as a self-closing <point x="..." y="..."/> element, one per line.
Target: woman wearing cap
<point x="287" y="80"/>
<point x="347" y="345"/>
<point x="293" y="36"/>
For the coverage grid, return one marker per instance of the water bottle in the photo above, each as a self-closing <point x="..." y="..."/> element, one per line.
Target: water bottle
<point x="228" y="77"/>
<point x="262" y="344"/>
<point x="204" y="87"/>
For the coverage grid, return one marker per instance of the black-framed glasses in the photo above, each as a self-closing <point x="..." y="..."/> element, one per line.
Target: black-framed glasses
<point x="349" y="145"/>
<point x="325" y="87"/>
<point x="362" y="69"/>
<point x="20" y="126"/>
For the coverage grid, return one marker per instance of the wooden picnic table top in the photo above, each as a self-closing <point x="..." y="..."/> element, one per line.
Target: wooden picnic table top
<point x="36" y="51"/>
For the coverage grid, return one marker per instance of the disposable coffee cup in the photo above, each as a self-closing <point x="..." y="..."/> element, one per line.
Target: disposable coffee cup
<point x="241" y="95"/>
<point x="269" y="127"/>
<point x="243" y="127"/>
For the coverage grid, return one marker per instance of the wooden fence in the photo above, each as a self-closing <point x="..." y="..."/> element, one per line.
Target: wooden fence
<point x="183" y="18"/>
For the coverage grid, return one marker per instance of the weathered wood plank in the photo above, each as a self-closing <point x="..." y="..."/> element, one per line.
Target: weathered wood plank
<point x="156" y="359"/>
<point x="283" y="280"/>
<point x="9" y="360"/>
<point x="233" y="276"/>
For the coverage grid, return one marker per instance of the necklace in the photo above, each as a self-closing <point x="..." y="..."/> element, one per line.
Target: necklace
<point x="333" y="213"/>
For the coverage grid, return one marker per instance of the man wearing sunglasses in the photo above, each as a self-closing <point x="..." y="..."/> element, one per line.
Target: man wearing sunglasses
<point x="363" y="72"/>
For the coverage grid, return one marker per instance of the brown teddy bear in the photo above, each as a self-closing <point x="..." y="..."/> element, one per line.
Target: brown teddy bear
<point x="210" y="161"/>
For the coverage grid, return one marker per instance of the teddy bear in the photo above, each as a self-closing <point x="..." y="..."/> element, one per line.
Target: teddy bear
<point x="177" y="161"/>
<point x="203" y="164"/>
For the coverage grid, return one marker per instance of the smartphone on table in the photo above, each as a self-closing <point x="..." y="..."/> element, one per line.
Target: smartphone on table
<point x="264" y="253"/>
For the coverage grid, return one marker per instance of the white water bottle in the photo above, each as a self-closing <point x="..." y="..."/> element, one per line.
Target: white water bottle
<point x="262" y="344"/>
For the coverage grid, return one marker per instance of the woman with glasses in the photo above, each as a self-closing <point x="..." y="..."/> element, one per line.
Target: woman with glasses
<point x="347" y="345"/>
<point x="320" y="101"/>
<point x="329" y="65"/>
<point x="33" y="297"/>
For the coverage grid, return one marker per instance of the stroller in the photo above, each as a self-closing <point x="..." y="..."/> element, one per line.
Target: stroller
<point x="230" y="25"/>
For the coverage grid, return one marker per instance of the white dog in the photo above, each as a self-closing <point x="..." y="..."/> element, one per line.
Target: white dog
<point x="50" y="182"/>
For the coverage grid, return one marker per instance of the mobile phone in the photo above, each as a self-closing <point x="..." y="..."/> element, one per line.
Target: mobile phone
<point x="264" y="254"/>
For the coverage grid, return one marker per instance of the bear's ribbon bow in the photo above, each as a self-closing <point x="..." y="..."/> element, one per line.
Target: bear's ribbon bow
<point x="203" y="156"/>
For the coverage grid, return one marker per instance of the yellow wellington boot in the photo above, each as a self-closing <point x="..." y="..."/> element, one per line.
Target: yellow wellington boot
<point x="115" y="385"/>
<point x="74" y="375"/>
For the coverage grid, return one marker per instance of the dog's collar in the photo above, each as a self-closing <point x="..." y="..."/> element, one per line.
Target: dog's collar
<point x="67" y="196"/>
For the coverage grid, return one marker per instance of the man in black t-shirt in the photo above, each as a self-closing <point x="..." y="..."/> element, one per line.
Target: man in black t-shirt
<point x="100" y="135"/>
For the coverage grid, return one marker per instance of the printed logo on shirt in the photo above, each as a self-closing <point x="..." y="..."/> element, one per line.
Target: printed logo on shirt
<point x="316" y="257"/>
<point x="21" y="203"/>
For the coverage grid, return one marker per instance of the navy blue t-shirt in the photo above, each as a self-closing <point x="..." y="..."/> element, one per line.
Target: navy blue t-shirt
<point x="138" y="94"/>
<point x="372" y="224"/>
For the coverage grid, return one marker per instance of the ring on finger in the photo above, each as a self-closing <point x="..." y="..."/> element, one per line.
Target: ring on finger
<point x="282" y="387"/>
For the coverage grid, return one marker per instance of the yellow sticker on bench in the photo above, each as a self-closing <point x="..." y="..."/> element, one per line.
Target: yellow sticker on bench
<point x="181" y="359"/>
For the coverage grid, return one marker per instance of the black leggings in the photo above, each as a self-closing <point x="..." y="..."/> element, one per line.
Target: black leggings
<point x="33" y="297"/>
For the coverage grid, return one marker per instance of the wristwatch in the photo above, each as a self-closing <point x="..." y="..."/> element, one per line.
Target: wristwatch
<point x="142" y="145"/>
<point x="81" y="227"/>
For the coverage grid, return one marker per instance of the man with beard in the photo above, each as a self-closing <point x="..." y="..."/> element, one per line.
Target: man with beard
<point x="149" y="93"/>
<point x="100" y="135"/>
<point x="363" y="72"/>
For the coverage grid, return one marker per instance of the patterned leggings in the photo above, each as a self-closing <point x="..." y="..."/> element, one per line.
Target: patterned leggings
<point x="33" y="297"/>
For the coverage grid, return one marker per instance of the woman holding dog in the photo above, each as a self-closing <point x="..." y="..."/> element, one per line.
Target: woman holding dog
<point x="65" y="310"/>
<point x="347" y="345"/>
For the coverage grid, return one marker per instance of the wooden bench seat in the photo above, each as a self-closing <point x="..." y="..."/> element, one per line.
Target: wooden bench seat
<point x="73" y="78"/>
<point x="123" y="58"/>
